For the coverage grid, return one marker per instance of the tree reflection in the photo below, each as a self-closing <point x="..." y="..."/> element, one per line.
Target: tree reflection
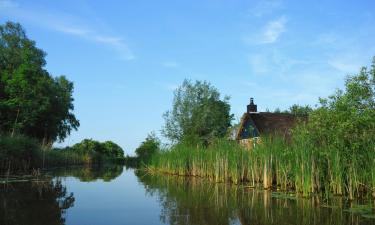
<point x="41" y="202"/>
<point x="186" y="201"/>
<point x="45" y="201"/>
<point x="89" y="174"/>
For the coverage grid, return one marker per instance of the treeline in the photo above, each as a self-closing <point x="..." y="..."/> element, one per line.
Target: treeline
<point x="332" y="153"/>
<point x="21" y="153"/>
<point x="36" y="110"/>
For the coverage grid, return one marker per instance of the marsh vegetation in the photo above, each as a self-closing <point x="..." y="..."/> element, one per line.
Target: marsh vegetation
<point x="332" y="153"/>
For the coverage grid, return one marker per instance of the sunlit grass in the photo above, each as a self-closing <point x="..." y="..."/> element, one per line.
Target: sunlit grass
<point x="296" y="166"/>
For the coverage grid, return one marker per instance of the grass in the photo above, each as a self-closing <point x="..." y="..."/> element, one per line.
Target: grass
<point x="275" y="163"/>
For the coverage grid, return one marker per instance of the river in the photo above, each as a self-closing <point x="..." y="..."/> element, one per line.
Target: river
<point x="116" y="195"/>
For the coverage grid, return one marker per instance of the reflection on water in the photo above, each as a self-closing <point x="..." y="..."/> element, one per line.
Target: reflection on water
<point x="89" y="174"/>
<point x="111" y="195"/>
<point x="195" y="201"/>
<point x="42" y="202"/>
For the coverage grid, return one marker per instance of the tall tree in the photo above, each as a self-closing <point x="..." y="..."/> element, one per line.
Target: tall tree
<point x="32" y="102"/>
<point x="198" y="114"/>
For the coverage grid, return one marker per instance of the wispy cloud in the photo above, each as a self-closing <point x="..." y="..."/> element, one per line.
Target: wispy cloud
<point x="273" y="30"/>
<point x="270" y="33"/>
<point x="274" y="60"/>
<point x="66" y="24"/>
<point x="265" y="7"/>
<point x="170" y="64"/>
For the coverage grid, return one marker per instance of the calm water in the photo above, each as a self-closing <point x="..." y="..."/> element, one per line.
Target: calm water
<point x="114" y="195"/>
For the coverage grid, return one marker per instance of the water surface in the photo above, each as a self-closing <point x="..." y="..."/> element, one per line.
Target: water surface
<point x="115" y="195"/>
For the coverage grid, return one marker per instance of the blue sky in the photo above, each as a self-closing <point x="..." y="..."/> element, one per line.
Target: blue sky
<point x="126" y="57"/>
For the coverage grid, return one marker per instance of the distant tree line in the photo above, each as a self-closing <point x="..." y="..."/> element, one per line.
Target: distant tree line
<point x="97" y="152"/>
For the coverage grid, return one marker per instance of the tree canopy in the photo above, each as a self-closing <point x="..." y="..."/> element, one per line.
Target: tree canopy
<point x="198" y="114"/>
<point x="32" y="102"/>
<point x="147" y="148"/>
<point x="94" y="148"/>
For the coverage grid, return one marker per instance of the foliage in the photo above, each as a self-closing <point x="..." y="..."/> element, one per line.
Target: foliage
<point x="148" y="148"/>
<point x="296" y="109"/>
<point x="32" y="102"/>
<point x="97" y="152"/>
<point x="21" y="153"/>
<point x="343" y="127"/>
<point x="299" y="110"/>
<point x="198" y="114"/>
<point x="333" y="153"/>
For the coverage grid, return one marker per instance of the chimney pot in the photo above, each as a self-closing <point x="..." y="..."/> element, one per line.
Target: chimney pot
<point x="251" y="107"/>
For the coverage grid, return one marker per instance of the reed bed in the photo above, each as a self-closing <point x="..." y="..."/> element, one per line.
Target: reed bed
<point x="275" y="163"/>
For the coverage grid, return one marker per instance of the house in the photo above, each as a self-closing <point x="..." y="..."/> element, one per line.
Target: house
<point x="254" y="124"/>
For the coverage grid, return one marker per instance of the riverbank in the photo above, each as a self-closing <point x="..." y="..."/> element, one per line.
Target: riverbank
<point x="25" y="154"/>
<point x="298" y="167"/>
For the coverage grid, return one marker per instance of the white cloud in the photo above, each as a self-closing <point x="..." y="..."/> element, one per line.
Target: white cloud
<point x="269" y="34"/>
<point x="66" y="24"/>
<point x="170" y="64"/>
<point x="273" y="30"/>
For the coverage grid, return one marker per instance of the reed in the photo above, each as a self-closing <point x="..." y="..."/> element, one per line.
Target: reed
<point x="290" y="166"/>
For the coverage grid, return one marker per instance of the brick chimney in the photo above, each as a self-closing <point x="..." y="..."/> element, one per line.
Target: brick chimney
<point x="252" y="107"/>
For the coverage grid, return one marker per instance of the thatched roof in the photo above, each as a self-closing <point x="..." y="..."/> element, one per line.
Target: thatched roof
<point x="267" y="123"/>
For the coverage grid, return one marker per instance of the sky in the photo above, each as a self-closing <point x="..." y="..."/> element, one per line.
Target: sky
<point x="127" y="57"/>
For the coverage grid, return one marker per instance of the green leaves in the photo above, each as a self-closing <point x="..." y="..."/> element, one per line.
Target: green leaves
<point x="198" y="114"/>
<point x="32" y="102"/>
<point x="148" y="148"/>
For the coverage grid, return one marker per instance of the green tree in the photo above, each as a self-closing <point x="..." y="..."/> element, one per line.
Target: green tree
<point x="32" y="102"/>
<point x="198" y="114"/>
<point x="148" y="147"/>
<point x="98" y="151"/>
<point x="343" y="126"/>
<point x="112" y="149"/>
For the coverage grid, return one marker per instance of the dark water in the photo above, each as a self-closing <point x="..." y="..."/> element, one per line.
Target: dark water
<point x="114" y="195"/>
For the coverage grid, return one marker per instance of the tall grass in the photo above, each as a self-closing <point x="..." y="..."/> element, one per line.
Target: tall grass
<point x="275" y="163"/>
